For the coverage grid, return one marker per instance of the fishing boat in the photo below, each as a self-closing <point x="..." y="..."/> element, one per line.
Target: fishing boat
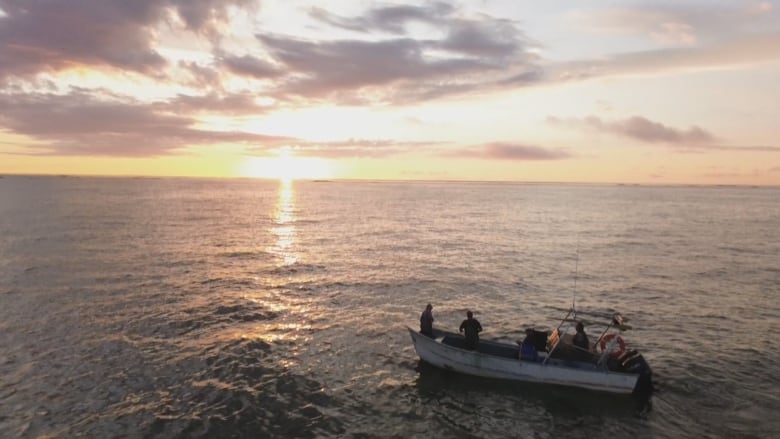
<point x="545" y="357"/>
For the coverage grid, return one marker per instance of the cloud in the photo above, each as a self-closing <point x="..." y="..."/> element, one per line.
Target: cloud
<point x="397" y="70"/>
<point x="201" y="75"/>
<point x="760" y="7"/>
<point x="390" y="18"/>
<point x="251" y="66"/>
<point x="509" y="151"/>
<point x="82" y="123"/>
<point x="382" y="148"/>
<point x="342" y="65"/>
<point x="213" y="103"/>
<point x="677" y="23"/>
<point x="459" y="54"/>
<point x="357" y="148"/>
<point x="737" y="53"/>
<point x="54" y="35"/>
<point x="679" y="37"/>
<point x="380" y="61"/>
<point x="692" y="139"/>
<point x="204" y="16"/>
<point x="88" y="123"/>
<point x="643" y="129"/>
<point x="666" y="25"/>
<point x="639" y="128"/>
<point x="482" y="54"/>
<point x="467" y="55"/>
<point x="483" y="36"/>
<point x="494" y="38"/>
<point x="734" y="148"/>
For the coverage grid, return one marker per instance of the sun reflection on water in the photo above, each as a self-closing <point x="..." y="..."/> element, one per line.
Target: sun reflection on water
<point x="284" y="224"/>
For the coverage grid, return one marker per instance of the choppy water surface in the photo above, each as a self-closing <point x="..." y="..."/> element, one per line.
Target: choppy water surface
<point x="198" y="308"/>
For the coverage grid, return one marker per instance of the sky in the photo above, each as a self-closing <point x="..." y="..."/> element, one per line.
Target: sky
<point x="647" y="92"/>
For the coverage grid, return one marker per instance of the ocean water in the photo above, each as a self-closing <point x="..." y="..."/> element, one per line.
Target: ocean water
<point x="248" y="308"/>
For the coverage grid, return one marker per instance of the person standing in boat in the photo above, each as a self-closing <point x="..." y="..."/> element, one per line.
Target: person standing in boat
<point x="472" y="328"/>
<point x="581" y="340"/>
<point x="426" y="321"/>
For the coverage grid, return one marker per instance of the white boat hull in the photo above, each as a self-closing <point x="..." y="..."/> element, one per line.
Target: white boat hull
<point x="475" y="363"/>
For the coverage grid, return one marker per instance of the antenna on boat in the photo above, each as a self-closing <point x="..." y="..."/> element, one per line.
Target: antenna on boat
<point x="576" y="271"/>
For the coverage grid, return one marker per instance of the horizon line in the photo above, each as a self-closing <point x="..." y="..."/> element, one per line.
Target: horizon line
<point x="384" y="180"/>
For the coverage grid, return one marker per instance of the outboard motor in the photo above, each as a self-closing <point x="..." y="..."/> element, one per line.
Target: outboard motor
<point x="634" y="362"/>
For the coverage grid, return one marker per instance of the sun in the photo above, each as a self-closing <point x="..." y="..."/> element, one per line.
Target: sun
<point x="285" y="165"/>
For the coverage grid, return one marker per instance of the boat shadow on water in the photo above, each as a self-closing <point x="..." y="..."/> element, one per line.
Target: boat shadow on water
<point x="434" y="383"/>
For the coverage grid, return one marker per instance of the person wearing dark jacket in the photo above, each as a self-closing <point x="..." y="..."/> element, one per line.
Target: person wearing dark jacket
<point x="581" y="338"/>
<point x="581" y="341"/>
<point x="426" y="321"/>
<point x="472" y="329"/>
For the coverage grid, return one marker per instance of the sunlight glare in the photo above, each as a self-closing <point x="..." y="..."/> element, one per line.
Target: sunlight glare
<point x="285" y="165"/>
<point x="284" y="227"/>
